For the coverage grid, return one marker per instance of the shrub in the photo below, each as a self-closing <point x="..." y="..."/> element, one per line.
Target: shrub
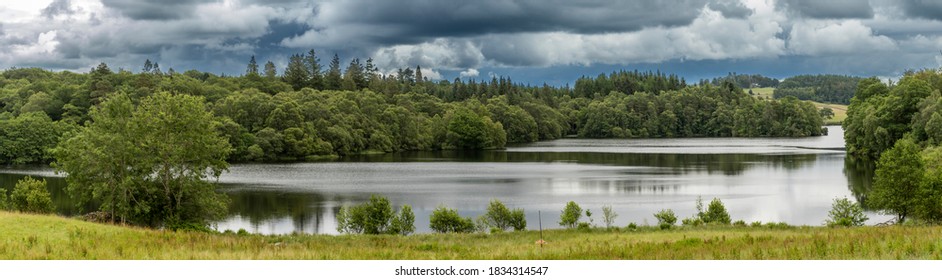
<point x="445" y="220"/>
<point x="583" y="226"/>
<point x="570" y="215"/>
<point x="500" y="217"/>
<point x="31" y="195"/>
<point x="4" y="205"/>
<point x="608" y="216"/>
<point x="632" y="226"/>
<point x="375" y="217"/>
<point x="404" y="223"/>
<point x="666" y="218"/>
<point x="845" y="213"/>
<point x="756" y="224"/>
<point x="693" y="221"/>
<point x="716" y="213"/>
<point x="739" y="223"/>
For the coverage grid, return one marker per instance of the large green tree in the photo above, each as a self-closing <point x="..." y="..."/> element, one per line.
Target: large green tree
<point x="149" y="164"/>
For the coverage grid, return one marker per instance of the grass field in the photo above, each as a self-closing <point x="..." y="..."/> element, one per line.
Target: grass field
<point x="840" y="111"/>
<point x="25" y="236"/>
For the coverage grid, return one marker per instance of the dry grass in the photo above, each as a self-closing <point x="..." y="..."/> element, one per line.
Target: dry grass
<point x="48" y="237"/>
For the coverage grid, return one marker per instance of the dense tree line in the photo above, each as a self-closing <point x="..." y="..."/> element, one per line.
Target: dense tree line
<point x="308" y="111"/>
<point x="822" y="88"/>
<point x="743" y="80"/>
<point x="900" y="126"/>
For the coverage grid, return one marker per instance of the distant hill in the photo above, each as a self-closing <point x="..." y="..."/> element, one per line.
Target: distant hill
<point x="821" y="88"/>
<point x="744" y="80"/>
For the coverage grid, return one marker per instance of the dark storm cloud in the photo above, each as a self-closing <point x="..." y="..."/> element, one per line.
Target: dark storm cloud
<point x="58" y="7"/>
<point x="730" y="8"/>
<point x="154" y="10"/>
<point x="829" y="9"/>
<point x="426" y="19"/>
<point x="927" y="9"/>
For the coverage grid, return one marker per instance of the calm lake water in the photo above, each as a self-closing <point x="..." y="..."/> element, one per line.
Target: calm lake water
<point x="792" y="180"/>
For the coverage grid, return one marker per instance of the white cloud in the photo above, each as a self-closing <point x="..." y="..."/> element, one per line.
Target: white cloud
<point x="835" y="37"/>
<point x="471" y="72"/>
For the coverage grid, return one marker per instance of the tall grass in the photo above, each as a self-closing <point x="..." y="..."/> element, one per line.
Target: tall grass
<point x="24" y="236"/>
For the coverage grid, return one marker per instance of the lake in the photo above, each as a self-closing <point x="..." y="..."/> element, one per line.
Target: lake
<point x="792" y="180"/>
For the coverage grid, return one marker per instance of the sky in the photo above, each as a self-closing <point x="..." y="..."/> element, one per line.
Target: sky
<point x="532" y="41"/>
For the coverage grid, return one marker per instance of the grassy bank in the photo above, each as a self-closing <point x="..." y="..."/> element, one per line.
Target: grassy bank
<point x="48" y="237"/>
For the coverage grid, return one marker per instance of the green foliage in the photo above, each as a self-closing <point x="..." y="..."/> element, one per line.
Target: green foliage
<point x="31" y="195"/>
<point x="404" y="222"/>
<point x="498" y="216"/>
<point x="739" y="223"/>
<point x="376" y="217"/>
<point x="608" y="216"/>
<point x="570" y="215"/>
<point x="715" y="213"/>
<point x="899" y="173"/>
<point x="665" y="218"/>
<point x="150" y="164"/>
<point x="845" y="213"/>
<point x="4" y="201"/>
<point x="822" y="88"/>
<point x="877" y="118"/>
<point x="445" y="220"/>
<point x="27" y="138"/>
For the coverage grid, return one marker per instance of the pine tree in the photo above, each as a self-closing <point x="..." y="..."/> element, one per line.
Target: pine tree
<point x="355" y="74"/>
<point x="270" y="71"/>
<point x="313" y="64"/>
<point x="252" y="69"/>
<point x="334" y="78"/>
<point x="296" y="74"/>
<point x="418" y="74"/>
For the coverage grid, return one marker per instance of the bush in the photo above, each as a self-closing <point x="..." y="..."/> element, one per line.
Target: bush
<point x="404" y="223"/>
<point x="608" y="216"/>
<point x="739" y="223"/>
<point x="501" y="218"/>
<point x="4" y="205"/>
<point x="445" y="220"/>
<point x="666" y="218"/>
<point x="632" y="226"/>
<point x="583" y="226"/>
<point x="31" y="195"/>
<point x="694" y="221"/>
<point x="571" y="215"/>
<point x="716" y="213"/>
<point x="756" y="224"/>
<point x="845" y="213"/>
<point x="375" y="217"/>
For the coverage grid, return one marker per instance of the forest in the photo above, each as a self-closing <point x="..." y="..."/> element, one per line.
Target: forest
<point x="900" y="126"/>
<point x="821" y="88"/>
<point x="305" y="112"/>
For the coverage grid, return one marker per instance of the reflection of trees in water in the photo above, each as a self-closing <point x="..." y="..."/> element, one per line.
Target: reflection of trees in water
<point x="727" y="164"/>
<point x="306" y="210"/>
<point x="64" y="204"/>
<point x="859" y="173"/>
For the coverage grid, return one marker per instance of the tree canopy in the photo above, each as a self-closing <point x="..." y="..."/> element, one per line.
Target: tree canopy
<point x="149" y="164"/>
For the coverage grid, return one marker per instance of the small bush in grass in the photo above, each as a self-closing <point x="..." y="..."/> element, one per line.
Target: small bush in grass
<point x="608" y="216"/>
<point x="500" y="217"/>
<point x="242" y="232"/>
<point x="375" y="217"/>
<point x="445" y="220"/>
<point x="693" y="221"/>
<point x="4" y="205"/>
<point x="583" y="226"/>
<point x="845" y="213"/>
<point x="716" y="213"/>
<point x="739" y="223"/>
<point x="665" y="218"/>
<point x="756" y="224"/>
<point x="632" y="226"/>
<point x="31" y="195"/>
<point x="571" y="215"/>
